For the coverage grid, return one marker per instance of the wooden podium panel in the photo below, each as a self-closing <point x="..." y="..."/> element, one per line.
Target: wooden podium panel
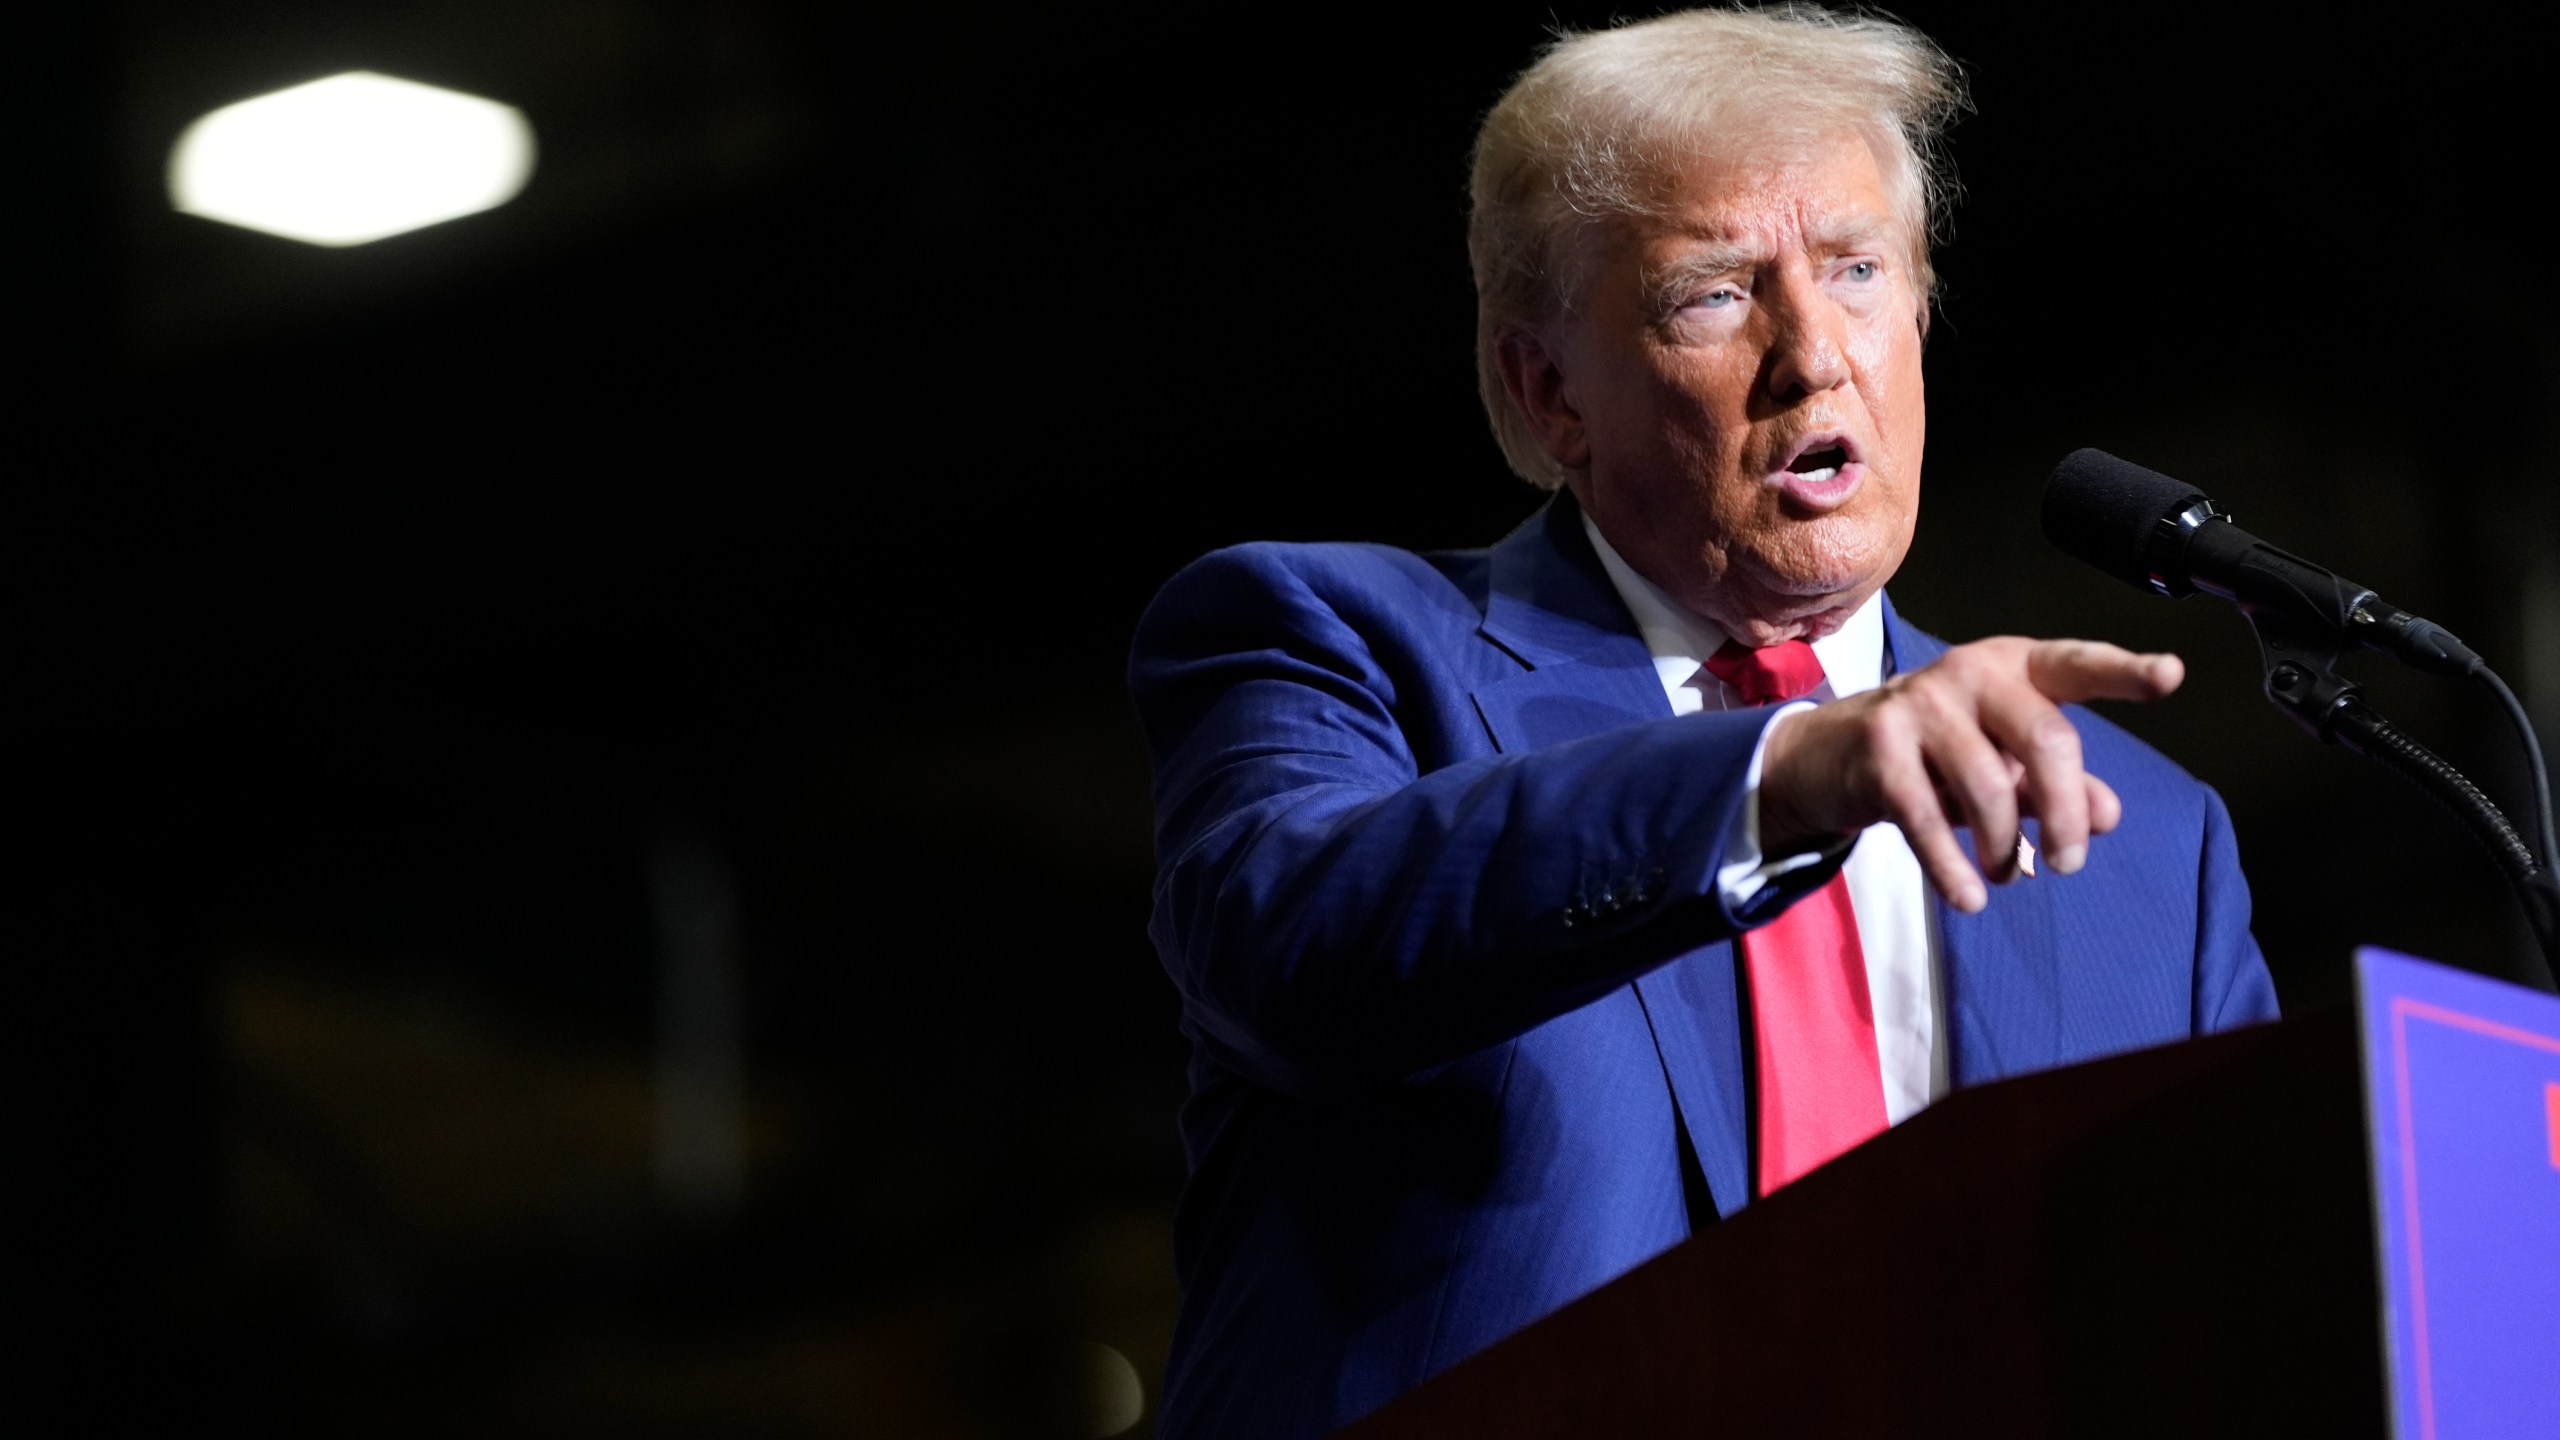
<point x="2177" y="1242"/>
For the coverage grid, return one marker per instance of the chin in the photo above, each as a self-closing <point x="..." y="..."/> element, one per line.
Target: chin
<point x="1817" y="588"/>
<point x="1820" y="575"/>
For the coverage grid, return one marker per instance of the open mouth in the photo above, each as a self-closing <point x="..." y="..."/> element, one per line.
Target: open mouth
<point x="1823" y="462"/>
<point x="1821" y="472"/>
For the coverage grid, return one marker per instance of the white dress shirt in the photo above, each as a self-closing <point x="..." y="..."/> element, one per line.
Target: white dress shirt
<point x="1897" y="927"/>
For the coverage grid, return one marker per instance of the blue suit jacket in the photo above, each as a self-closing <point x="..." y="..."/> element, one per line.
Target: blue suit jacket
<point x="1436" y="883"/>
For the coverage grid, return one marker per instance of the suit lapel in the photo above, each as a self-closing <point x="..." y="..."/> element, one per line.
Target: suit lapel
<point x="1586" y="671"/>
<point x="1696" y="1016"/>
<point x="1551" y="608"/>
<point x="2000" y="968"/>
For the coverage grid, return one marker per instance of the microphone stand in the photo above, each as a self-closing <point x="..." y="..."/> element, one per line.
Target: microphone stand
<point x="2302" y="681"/>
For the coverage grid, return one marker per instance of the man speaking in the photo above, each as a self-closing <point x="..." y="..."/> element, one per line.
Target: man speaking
<point x="1533" y="907"/>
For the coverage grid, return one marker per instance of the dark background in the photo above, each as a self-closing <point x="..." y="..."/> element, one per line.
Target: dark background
<point x="585" y="856"/>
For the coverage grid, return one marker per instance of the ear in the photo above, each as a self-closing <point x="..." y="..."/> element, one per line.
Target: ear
<point x="1536" y="384"/>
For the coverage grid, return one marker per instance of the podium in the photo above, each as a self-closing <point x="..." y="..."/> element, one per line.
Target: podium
<point x="2344" y="1224"/>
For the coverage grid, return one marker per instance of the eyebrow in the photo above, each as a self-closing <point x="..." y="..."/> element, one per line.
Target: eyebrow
<point x="1701" y="263"/>
<point x="1711" y="257"/>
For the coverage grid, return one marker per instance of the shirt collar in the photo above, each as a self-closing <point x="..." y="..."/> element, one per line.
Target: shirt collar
<point x="1852" y="656"/>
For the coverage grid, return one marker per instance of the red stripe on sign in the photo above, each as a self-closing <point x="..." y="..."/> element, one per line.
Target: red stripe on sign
<point x="2551" y="1099"/>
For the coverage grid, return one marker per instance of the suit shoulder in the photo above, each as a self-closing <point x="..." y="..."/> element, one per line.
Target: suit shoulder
<point x="1362" y="583"/>
<point x="2130" y="764"/>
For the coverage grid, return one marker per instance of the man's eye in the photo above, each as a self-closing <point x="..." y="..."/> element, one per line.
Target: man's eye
<point x="1863" y="271"/>
<point x="1716" y="299"/>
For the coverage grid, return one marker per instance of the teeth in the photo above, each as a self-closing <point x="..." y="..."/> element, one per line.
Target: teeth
<point x="1818" y="476"/>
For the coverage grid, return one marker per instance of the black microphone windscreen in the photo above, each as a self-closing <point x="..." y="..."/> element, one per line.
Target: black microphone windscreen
<point x="2104" y="510"/>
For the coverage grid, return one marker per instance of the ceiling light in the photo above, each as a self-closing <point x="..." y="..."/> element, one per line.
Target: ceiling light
<point x="350" y="159"/>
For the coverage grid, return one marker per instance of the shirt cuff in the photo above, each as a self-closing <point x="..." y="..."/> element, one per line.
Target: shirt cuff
<point x="1746" y="872"/>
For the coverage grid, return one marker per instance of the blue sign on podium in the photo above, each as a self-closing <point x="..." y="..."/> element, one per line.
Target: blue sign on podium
<point x="2462" y="1100"/>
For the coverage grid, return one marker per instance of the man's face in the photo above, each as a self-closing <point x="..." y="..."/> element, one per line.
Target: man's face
<point x="1740" y="390"/>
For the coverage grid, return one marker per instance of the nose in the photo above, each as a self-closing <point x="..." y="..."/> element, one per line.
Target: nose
<point x="1808" y="349"/>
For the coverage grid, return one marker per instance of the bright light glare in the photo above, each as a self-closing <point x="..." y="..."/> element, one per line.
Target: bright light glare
<point x="1118" y="1400"/>
<point x="351" y="158"/>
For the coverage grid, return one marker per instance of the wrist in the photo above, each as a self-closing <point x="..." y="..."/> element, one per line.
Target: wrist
<point x="1787" y="824"/>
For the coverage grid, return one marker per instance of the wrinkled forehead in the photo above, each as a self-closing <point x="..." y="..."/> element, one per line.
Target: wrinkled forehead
<point x="1748" y="191"/>
<point x="1787" y="179"/>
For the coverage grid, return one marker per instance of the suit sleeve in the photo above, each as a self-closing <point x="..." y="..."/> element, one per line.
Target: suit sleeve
<point x="1339" y="911"/>
<point x="2232" y="984"/>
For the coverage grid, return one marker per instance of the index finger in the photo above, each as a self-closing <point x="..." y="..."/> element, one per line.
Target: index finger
<point x="2072" y="670"/>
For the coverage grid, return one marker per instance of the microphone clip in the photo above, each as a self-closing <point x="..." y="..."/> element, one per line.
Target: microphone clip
<point x="2302" y="679"/>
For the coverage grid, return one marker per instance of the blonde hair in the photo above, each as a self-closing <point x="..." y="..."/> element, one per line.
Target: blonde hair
<point x="1590" y="131"/>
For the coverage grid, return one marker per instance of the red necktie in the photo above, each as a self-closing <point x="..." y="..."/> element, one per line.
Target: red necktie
<point x="1821" y="1089"/>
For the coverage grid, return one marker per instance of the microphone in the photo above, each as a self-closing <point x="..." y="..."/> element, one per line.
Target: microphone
<point x="2168" y="537"/>
<point x="2162" y="535"/>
